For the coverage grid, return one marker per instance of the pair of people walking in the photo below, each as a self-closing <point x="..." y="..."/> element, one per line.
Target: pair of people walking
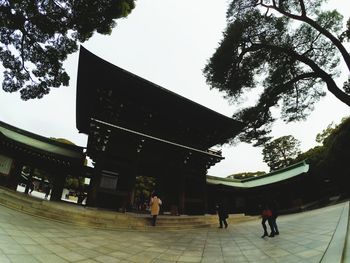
<point x="269" y="214"/>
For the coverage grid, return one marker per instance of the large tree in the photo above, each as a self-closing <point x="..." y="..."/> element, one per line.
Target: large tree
<point x="337" y="151"/>
<point x="37" y="35"/>
<point x="290" y="49"/>
<point x="329" y="161"/>
<point x="281" y="152"/>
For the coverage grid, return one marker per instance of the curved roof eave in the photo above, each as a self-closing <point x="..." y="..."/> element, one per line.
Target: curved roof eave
<point x="270" y="178"/>
<point x="96" y="72"/>
<point x="39" y="142"/>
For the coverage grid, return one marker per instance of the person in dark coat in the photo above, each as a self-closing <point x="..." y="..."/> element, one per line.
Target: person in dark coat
<point x="266" y="215"/>
<point x="223" y="215"/>
<point x="274" y="210"/>
<point x="47" y="191"/>
<point x="31" y="186"/>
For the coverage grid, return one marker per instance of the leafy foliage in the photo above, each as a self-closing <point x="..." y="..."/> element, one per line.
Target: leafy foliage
<point x="36" y="37"/>
<point x="314" y="155"/>
<point x="74" y="183"/>
<point x="337" y="153"/>
<point x="322" y="136"/>
<point x="326" y="136"/>
<point x="246" y="175"/>
<point x="144" y="186"/>
<point x="292" y="46"/>
<point x="346" y="33"/>
<point x="329" y="162"/>
<point x="281" y="152"/>
<point x="62" y="140"/>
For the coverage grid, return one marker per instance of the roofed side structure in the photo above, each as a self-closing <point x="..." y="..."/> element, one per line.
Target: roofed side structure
<point x="266" y="179"/>
<point x="39" y="148"/>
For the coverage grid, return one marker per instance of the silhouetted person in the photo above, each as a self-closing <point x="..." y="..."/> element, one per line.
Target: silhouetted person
<point x="47" y="191"/>
<point x="223" y="215"/>
<point x="81" y="197"/>
<point x="266" y="215"/>
<point x="274" y="210"/>
<point x="31" y="187"/>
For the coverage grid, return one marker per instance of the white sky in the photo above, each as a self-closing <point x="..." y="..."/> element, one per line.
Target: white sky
<point x="166" y="42"/>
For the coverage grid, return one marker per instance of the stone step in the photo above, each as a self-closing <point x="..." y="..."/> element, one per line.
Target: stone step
<point x="99" y="218"/>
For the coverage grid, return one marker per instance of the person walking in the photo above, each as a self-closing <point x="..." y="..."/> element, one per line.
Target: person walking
<point x="223" y="215"/>
<point x="155" y="204"/>
<point x="274" y="211"/>
<point x="31" y="186"/>
<point x="47" y="191"/>
<point x="266" y="215"/>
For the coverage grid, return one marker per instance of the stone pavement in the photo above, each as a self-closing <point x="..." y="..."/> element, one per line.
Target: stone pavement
<point x="303" y="238"/>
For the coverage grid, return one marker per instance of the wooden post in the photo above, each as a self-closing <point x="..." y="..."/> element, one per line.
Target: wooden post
<point x="58" y="185"/>
<point x="29" y="180"/>
<point x="14" y="175"/>
<point x="94" y="186"/>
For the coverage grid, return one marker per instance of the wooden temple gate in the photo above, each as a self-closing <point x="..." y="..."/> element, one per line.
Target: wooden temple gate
<point x="137" y="128"/>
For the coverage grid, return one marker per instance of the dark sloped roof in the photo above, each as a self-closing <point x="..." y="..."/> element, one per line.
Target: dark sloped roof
<point x="109" y="93"/>
<point x="40" y="146"/>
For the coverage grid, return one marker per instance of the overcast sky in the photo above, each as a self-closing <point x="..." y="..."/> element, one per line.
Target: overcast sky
<point x="166" y="42"/>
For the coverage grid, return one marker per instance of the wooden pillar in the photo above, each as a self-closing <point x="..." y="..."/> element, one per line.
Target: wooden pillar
<point x="167" y="187"/>
<point x="204" y="190"/>
<point x="57" y="187"/>
<point x="29" y="180"/>
<point x="193" y="192"/>
<point x="131" y="186"/>
<point x="182" y="194"/>
<point x="15" y="175"/>
<point x="94" y="186"/>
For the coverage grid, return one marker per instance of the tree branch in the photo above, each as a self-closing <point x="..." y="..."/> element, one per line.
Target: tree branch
<point x="307" y="75"/>
<point x="302" y="6"/>
<point x="245" y="51"/>
<point x="280" y="88"/>
<point x="332" y="38"/>
<point x="322" y="30"/>
<point x="331" y="85"/>
<point x="22" y="51"/>
<point x="311" y="44"/>
<point x="297" y="98"/>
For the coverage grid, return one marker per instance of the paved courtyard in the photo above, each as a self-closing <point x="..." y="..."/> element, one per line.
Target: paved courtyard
<point x="303" y="238"/>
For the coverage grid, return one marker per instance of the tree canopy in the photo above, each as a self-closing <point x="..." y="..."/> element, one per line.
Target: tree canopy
<point x="336" y="154"/>
<point x="281" y="152"/>
<point x="144" y="186"/>
<point x="329" y="161"/>
<point x="36" y="37"/>
<point x="62" y="140"/>
<point x="324" y="135"/>
<point x="288" y="48"/>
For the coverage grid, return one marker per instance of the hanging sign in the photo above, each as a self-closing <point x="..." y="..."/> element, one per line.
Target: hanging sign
<point x="5" y="165"/>
<point x="109" y="180"/>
